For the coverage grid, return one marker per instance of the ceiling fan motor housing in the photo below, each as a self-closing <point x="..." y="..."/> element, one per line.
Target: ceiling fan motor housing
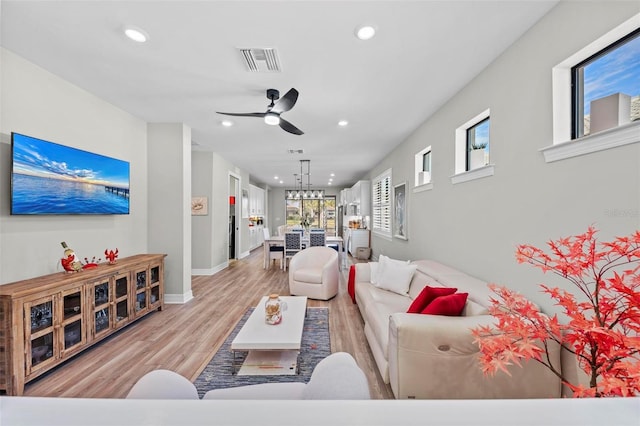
<point x="273" y="94"/>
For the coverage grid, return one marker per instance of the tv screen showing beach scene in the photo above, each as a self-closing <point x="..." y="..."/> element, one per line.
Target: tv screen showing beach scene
<point x="48" y="178"/>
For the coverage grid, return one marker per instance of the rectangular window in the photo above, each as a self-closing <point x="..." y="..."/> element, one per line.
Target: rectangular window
<point x="606" y="87"/>
<point x="478" y="145"/>
<point x="423" y="167"/>
<point x="381" y="203"/>
<point x="426" y="162"/>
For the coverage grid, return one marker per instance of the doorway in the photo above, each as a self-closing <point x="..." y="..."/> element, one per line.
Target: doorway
<point x="234" y="216"/>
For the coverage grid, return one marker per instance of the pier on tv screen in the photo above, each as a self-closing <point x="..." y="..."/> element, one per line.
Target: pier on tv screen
<point x="48" y="178"/>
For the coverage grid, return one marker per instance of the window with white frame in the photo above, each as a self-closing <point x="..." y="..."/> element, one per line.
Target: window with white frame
<point x="423" y="167"/>
<point x="478" y="145"/>
<point x="472" y="141"/>
<point x="381" y="204"/>
<point x="571" y="137"/>
<point x="606" y="87"/>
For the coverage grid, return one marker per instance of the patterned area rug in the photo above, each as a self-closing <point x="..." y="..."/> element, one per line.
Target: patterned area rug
<point x="316" y="345"/>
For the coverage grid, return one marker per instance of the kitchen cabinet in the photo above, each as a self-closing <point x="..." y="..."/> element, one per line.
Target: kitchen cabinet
<point x="361" y="197"/>
<point x="256" y="201"/>
<point x="44" y="321"/>
<point x="256" y="236"/>
<point x="357" y="238"/>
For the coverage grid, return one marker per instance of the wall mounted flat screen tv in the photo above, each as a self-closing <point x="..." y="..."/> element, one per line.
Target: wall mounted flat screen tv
<point x="48" y="178"/>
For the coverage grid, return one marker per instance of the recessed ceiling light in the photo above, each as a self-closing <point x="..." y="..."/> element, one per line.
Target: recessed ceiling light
<point x="328" y="183"/>
<point x="343" y="123"/>
<point x="365" y="32"/>
<point x="136" y="34"/>
<point x="281" y="182"/>
<point x="227" y="123"/>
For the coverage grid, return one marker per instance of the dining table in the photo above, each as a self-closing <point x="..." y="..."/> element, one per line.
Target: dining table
<point x="278" y="240"/>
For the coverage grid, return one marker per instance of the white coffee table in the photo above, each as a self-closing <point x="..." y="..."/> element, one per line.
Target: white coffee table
<point x="257" y="335"/>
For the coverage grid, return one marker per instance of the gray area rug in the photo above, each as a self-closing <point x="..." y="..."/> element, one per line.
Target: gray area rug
<point x="316" y="345"/>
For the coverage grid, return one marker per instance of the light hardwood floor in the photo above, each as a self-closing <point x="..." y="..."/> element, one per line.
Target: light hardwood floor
<point x="183" y="338"/>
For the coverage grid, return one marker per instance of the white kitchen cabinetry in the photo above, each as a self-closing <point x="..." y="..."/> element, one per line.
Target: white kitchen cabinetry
<point x="256" y="236"/>
<point x="361" y="197"/>
<point x="256" y="201"/>
<point x="358" y="238"/>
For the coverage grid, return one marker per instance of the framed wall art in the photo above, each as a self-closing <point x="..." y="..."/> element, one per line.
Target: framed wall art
<point x="400" y="211"/>
<point x="199" y="206"/>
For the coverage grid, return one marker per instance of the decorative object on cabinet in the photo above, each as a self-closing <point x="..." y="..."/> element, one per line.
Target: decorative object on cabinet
<point x="45" y="321"/>
<point x="199" y="206"/>
<point x="70" y="262"/>
<point x="400" y="211"/>
<point x="111" y="255"/>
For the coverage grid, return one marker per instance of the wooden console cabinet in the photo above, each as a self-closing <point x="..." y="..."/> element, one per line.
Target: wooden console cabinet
<point x="46" y="320"/>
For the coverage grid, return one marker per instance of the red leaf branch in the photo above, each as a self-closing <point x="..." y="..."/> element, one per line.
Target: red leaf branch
<point x="603" y="322"/>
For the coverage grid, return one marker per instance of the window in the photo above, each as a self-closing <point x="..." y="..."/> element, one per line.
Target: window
<point x="478" y="145"/>
<point x="320" y="212"/>
<point x="565" y="144"/>
<point x="472" y="149"/>
<point x="606" y="87"/>
<point x="381" y="203"/>
<point x="423" y="167"/>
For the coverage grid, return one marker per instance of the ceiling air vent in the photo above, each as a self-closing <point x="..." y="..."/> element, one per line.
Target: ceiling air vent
<point x="261" y="60"/>
<point x="295" y="151"/>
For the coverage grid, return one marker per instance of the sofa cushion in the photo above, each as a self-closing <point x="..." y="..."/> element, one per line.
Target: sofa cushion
<point x="427" y="295"/>
<point x="308" y="275"/>
<point x="472" y="308"/>
<point x="395" y="275"/>
<point x="373" y="268"/>
<point x="451" y="305"/>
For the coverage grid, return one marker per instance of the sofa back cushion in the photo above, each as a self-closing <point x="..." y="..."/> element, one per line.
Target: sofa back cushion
<point x="446" y="276"/>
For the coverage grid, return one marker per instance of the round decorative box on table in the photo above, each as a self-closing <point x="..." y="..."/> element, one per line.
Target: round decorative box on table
<point x="273" y="310"/>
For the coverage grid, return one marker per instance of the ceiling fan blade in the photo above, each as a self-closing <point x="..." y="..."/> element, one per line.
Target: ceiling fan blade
<point x="244" y="114"/>
<point x="288" y="127"/>
<point x="286" y="102"/>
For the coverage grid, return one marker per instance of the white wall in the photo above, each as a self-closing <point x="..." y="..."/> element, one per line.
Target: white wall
<point x="476" y="226"/>
<point x="210" y="233"/>
<point x="40" y="104"/>
<point x="169" y="216"/>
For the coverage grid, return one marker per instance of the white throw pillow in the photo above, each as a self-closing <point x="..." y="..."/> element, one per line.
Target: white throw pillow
<point x="395" y="275"/>
<point x="373" y="269"/>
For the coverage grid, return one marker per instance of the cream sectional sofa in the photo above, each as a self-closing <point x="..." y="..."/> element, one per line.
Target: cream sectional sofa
<point x="434" y="357"/>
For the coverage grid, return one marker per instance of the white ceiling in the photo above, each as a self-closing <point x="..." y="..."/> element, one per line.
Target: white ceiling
<point x="424" y="52"/>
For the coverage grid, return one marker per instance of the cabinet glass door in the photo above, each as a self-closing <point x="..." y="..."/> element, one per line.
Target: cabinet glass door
<point x="40" y="332"/>
<point x="122" y="289"/>
<point x="142" y="290"/>
<point x="73" y="318"/>
<point x="101" y="307"/>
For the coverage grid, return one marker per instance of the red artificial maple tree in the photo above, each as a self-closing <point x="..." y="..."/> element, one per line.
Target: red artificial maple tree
<point x="603" y="324"/>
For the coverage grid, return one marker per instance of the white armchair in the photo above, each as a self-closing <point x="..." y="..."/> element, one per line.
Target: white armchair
<point x="335" y="377"/>
<point x="313" y="272"/>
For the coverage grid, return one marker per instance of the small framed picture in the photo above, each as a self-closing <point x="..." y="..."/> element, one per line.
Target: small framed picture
<point x="400" y="211"/>
<point x="199" y="206"/>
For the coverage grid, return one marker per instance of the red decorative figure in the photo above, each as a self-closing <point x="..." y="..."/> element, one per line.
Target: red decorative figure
<point x="111" y="255"/>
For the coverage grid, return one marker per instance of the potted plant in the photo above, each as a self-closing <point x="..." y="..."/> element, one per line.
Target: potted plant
<point x="477" y="155"/>
<point x="602" y="325"/>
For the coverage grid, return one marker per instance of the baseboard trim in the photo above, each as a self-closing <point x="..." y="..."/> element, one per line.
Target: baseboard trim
<point x="178" y="299"/>
<point x="210" y="271"/>
<point x="243" y="255"/>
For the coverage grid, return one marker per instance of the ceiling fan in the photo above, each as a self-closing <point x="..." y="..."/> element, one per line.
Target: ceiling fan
<point x="272" y="114"/>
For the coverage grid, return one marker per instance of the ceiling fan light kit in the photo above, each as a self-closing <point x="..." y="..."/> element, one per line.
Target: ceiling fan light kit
<point x="277" y="106"/>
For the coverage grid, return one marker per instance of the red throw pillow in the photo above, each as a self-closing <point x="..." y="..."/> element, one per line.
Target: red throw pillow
<point x="451" y="305"/>
<point x="427" y="295"/>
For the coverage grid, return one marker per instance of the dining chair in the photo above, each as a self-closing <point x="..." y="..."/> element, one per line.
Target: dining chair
<point x="317" y="238"/>
<point x="292" y="245"/>
<point x="276" y="252"/>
